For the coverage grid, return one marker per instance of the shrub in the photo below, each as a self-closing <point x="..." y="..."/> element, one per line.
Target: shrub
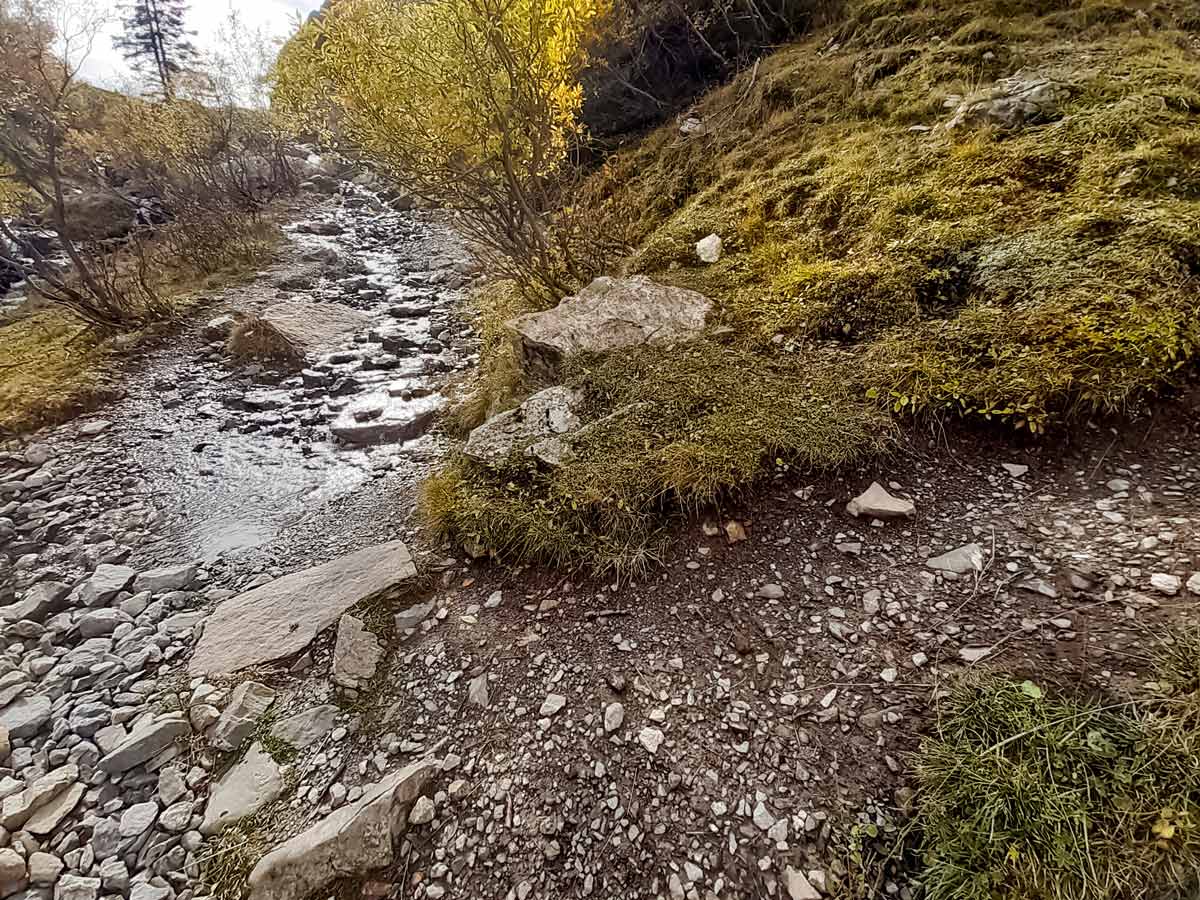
<point x="473" y="104"/>
<point x="255" y="339"/>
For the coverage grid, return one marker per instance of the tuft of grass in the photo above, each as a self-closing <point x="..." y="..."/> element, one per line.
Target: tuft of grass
<point x="1027" y="795"/>
<point x="229" y="858"/>
<point x="255" y="339"/>
<point x="680" y="429"/>
<point x="499" y="383"/>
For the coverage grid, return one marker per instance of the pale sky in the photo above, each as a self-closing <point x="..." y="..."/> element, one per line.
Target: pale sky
<point x="106" y="68"/>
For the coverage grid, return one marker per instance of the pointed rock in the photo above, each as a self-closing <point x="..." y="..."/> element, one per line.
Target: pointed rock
<point x="877" y="503"/>
<point x="960" y="561"/>
<point x="282" y="618"/>
<point x="246" y="706"/>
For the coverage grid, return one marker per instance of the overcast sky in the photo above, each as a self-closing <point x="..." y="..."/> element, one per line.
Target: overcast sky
<point x="106" y="68"/>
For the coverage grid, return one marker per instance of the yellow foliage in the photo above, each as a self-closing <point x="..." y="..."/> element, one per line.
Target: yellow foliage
<point x="454" y="85"/>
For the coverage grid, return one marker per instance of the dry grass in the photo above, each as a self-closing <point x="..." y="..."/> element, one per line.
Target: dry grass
<point x="255" y="339"/>
<point x="54" y="367"/>
<point x="1027" y="795"/>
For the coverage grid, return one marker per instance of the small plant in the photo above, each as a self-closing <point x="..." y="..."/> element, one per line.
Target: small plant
<point x="1027" y="795"/>
<point x="229" y="858"/>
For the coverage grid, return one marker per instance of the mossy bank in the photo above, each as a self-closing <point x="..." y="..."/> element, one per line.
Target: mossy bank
<point x="985" y="209"/>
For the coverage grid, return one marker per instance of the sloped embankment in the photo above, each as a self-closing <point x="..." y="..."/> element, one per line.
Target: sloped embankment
<point x="988" y="209"/>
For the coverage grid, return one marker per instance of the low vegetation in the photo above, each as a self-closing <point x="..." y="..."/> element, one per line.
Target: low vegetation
<point x="1028" y="273"/>
<point x="1023" y="794"/>
<point x="678" y="430"/>
<point x="116" y="212"/>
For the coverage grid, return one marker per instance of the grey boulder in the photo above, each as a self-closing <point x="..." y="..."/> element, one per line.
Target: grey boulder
<point x="282" y="617"/>
<point x="540" y="427"/>
<point x="610" y="314"/>
<point x="355" y="839"/>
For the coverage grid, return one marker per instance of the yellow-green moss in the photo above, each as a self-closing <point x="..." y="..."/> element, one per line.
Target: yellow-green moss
<point x="1028" y="276"/>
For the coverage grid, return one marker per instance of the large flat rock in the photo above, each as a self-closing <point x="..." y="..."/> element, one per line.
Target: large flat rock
<point x="283" y="617"/>
<point x="382" y="419"/>
<point x="314" y="326"/>
<point x="610" y="314"/>
<point x="353" y="840"/>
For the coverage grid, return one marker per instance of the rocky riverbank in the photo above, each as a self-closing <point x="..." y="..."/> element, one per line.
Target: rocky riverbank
<point x="232" y="666"/>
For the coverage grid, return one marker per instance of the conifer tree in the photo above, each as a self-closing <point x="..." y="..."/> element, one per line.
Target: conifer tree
<point x="156" y="43"/>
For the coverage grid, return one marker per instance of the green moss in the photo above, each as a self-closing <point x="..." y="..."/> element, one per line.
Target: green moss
<point x="1030" y="276"/>
<point x="681" y="429"/>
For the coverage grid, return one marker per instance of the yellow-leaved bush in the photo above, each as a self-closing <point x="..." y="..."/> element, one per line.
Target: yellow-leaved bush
<point x="473" y="104"/>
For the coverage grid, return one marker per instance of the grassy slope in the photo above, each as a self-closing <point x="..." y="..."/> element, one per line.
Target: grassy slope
<point x="53" y="366"/>
<point x="1028" y="277"/>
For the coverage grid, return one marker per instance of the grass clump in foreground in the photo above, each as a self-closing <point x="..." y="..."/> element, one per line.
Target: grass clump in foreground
<point x="1027" y="796"/>
<point x="1027" y="276"/>
<point x="673" y="430"/>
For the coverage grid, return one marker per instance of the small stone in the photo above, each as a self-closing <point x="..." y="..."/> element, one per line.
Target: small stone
<point x="974" y="654"/>
<point x="770" y="592"/>
<point x="76" y="887"/>
<point x="1165" y="584"/>
<point x="799" y="887"/>
<point x="1015" y="469"/>
<point x="552" y="704"/>
<point x="477" y="691"/>
<point x="413" y="616"/>
<point x="44" y="868"/>
<point x="171" y="786"/>
<point x="967" y="558"/>
<point x="114" y="875"/>
<point x="763" y="817"/>
<point x="422" y="811"/>
<point x="614" y="717"/>
<point x="651" y="739"/>
<point x="877" y="503"/>
<point x="1193" y="584"/>
<point x="138" y="819"/>
<point x="709" y="249"/>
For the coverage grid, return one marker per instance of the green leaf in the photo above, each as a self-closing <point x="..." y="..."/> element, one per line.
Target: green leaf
<point x="1029" y="689"/>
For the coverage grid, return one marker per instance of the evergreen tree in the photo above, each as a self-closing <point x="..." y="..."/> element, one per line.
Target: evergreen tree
<point x="155" y="43"/>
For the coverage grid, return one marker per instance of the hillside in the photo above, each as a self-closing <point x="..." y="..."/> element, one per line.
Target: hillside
<point x="983" y="210"/>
